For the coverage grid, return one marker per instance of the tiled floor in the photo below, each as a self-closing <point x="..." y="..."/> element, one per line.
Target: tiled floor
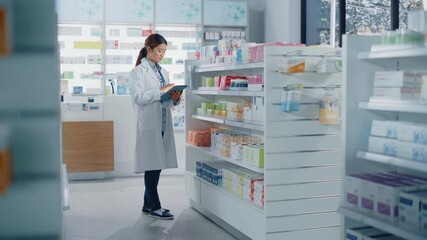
<point x="111" y="209"/>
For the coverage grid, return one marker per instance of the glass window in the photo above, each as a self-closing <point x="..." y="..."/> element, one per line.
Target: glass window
<point x="367" y="16"/>
<point x="318" y="22"/>
<point x="406" y="6"/>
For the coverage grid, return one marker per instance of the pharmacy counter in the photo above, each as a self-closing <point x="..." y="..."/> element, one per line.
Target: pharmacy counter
<point x="87" y="140"/>
<point x="118" y="110"/>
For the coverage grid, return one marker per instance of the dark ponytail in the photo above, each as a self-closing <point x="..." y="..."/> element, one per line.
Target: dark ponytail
<point x="142" y="54"/>
<point x="152" y="41"/>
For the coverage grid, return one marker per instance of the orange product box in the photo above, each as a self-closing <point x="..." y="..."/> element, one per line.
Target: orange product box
<point x="5" y="170"/>
<point x="199" y="138"/>
<point x="4" y="33"/>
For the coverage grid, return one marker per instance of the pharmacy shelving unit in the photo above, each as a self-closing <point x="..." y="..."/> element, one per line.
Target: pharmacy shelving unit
<point x="359" y="67"/>
<point x="29" y="105"/>
<point x="302" y="170"/>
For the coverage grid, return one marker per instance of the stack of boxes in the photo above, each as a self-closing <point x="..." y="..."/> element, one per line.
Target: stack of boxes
<point x="212" y="171"/>
<point x="199" y="138"/>
<point x="228" y="82"/>
<point x="227" y="51"/>
<point x="378" y="193"/>
<point x="399" y="139"/>
<point x="239" y="181"/>
<point x="259" y="193"/>
<point x="235" y="110"/>
<point x="413" y="209"/>
<point x="253" y="154"/>
<point x="255" y="112"/>
<point x="222" y="142"/>
<point x="400" y="86"/>
<point x="244" y="183"/>
<point x="252" y="190"/>
<point x="250" y="112"/>
<point x="236" y="149"/>
<point x="255" y="83"/>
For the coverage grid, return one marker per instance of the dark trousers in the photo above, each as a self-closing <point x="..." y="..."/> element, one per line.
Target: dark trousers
<point x="151" y="196"/>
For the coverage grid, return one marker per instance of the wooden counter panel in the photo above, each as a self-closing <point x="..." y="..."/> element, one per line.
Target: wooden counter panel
<point x="88" y="146"/>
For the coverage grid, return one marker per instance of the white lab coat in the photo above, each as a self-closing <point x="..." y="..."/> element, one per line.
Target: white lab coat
<point x="152" y="152"/>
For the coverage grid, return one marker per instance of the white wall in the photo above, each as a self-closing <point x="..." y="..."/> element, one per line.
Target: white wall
<point x="282" y="21"/>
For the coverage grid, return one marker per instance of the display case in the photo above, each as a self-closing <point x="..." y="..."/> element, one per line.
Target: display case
<point x="299" y="160"/>
<point x="122" y="46"/>
<point x="81" y="49"/>
<point x="364" y="117"/>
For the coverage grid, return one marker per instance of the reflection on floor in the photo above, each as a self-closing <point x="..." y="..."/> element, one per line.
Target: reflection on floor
<point x="111" y="209"/>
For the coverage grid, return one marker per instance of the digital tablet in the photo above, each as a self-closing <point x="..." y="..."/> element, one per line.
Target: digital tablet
<point x="166" y="96"/>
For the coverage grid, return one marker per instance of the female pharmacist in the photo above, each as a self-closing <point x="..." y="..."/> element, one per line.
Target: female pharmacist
<point x="155" y="143"/>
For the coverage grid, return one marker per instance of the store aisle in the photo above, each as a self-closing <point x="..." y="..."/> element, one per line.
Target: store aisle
<point x="111" y="209"/>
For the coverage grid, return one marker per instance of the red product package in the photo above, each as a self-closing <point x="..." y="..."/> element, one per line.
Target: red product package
<point x="225" y="82"/>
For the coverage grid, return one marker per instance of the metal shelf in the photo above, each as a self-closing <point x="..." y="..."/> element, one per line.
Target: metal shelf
<point x="222" y="190"/>
<point x="408" y="164"/>
<point x="245" y="125"/>
<point x="394" y="107"/>
<point x="394" y="227"/>
<point x="395" y="53"/>
<point x="208" y="151"/>
<point x="208" y="119"/>
<point x="229" y="93"/>
<point x="227" y="66"/>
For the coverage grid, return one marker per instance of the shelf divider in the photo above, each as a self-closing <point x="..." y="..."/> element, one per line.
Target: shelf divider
<point x="246" y="125"/>
<point x="394" y="107"/>
<point x="398" y="162"/>
<point x="395" y="53"/>
<point x="229" y="93"/>
<point x="227" y="66"/>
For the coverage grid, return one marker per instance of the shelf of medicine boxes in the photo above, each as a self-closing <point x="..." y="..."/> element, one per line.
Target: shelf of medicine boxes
<point x="209" y="151"/>
<point x="398" y="162"/>
<point x="246" y="125"/>
<point x="394" y="227"/>
<point x="394" y="107"/>
<point x="356" y="93"/>
<point x="222" y="190"/>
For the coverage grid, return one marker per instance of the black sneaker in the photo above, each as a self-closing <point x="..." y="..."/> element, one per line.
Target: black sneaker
<point x="165" y="215"/>
<point x="147" y="210"/>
